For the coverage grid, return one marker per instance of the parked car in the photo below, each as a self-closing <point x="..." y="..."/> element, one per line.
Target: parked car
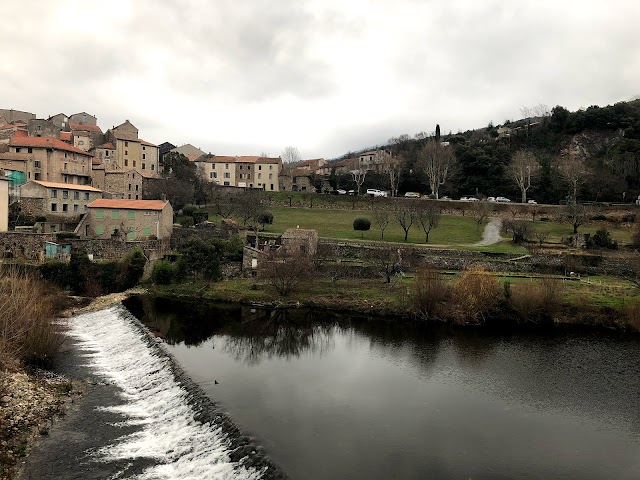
<point x="444" y="197"/>
<point x="532" y="202"/>
<point x="351" y="192"/>
<point x="491" y="199"/>
<point x="374" y="192"/>
<point x="341" y="191"/>
<point x="469" y="199"/>
<point x="502" y="199"/>
<point x="412" y="195"/>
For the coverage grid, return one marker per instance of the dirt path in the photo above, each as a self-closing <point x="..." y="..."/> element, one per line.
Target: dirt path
<point x="491" y="233"/>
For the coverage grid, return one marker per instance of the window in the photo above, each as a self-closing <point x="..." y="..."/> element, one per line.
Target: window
<point x="65" y="207"/>
<point x="65" y="194"/>
<point x="18" y="149"/>
<point x="144" y="148"/>
<point x="100" y="213"/>
<point x="115" y="214"/>
<point x="136" y="197"/>
<point x="271" y="176"/>
<point x="126" y="162"/>
<point x="137" y="187"/>
<point x="153" y="167"/>
<point x="213" y="175"/>
<point x="80" y="142"/>
<point x="259" y="175"/>
<point x="134" y="163"/>
<point x="76" y="195"/>
<point x="126" y="144"/>
<point x="29" y="150"/>
<point x="114" y="230"/>
<point x="99" y="229"/>
<point x="131" y="215"/>
<point x="36" y="176"/>
<point x="65" y="154"/>
<point x="272" y="186"/>
<point x="106" y="153"/>
<point x="129" y="187"/>
<point x="131" y="234"/>
<point x="226" y="184"/>
<point x="144" y="165"/>
<point x="126" y="152"/>
<point x="270" y="167"/>
<point x="85" y="208"/>
<point x="54" y="193"/>
<point x="144" y="155"/>
<point x="227" y="175"/>
<point x="147" y="231"/>
<point x="82" y="168"/>
<point x="259" y="167"/>
<point x="129" y="196"/>
<point x="66" y="167"/>
<point x="86" y="195"/>
<point x="37" y="164"/>
<point x="226" y="166"/>
<point x="54" y="207"/>
<point x="75" y="208"/>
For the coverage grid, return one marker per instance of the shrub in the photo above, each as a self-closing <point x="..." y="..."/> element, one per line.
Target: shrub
<point x="188" y="210"/>
<point x="537" y="302"/>
<point x="201" y="258"/>
<point x="265" y="218"/>
<point x="429" y="292"/>
<point x="186" y="221"/>
<point x="602" y="239"/>
<point x="285" y="271"/>
<point x="361" y="224"/>
<point x="475" y="295"/>
<point x="162" y="273"/>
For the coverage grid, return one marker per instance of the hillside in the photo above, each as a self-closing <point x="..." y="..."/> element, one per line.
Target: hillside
<point x="606" y="138"/>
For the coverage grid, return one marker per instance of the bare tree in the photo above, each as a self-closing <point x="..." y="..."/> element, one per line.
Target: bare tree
<point x="381" y="217"/>
<point x="223" y="203"/>
<point x="358" y="175"/>
<point x="286" y="270"/>
<point x="523" y="167"/>
<point x="392" y="166"/>
<point x="574" y="170"/>
<point x="290" y="155"/>
<point x="480" y="211"/>
<point x="437" y="161"/>
<point x="577" y="215"/>
<point x="405" y="216"/>
<point x="386" y="260"/>
<point x="428" y="216"/>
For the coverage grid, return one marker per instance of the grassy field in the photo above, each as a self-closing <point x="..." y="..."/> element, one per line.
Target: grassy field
<point x="556" y="231"/>
<point x="453" y="230"/>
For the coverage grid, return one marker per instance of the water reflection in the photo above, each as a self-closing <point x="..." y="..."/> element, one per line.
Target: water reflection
<point x="276" y="333"/>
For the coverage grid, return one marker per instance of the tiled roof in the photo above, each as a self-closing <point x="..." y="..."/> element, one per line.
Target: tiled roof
<point x="65" y="136"/>
<point x="107" y="146"/>
<point x="88" y="128"/>
<point x="22" y="157"/>
<point x="149" y="144"/>
<point x="128" y="204"/>
<point x="45" y="142"/>
<point x="237" y="159"/>
<point x="67" y="186"/>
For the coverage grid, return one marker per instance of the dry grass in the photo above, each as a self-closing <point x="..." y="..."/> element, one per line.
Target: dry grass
<point x="537" y="302"/>
<point x="475" y="295"/>
<point x="429" y="293"/>
<point x="27" y="307"/>
<point x="632" y="315"/>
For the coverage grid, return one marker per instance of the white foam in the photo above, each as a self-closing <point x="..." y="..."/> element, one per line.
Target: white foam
<point x="152" y="399"/>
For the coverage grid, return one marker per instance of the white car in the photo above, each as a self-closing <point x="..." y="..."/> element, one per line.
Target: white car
<point x="341" y="191"/>
<point x="502" y="199"/>
<point x="412" y="195"/>
<point x="532" y="202"/>
<point x="374" y="192"/>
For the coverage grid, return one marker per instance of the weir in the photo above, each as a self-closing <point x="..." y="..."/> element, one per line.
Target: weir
<point x="179" y="428"/>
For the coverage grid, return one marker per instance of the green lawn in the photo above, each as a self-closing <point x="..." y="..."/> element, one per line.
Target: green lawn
<point x="556" y="231"/>
<point x="452" y="230"/>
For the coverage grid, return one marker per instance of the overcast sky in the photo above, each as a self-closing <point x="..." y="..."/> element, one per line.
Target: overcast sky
<point x="327" y="76"/>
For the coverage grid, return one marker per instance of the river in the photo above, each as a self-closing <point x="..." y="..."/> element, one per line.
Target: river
<point x="337" y="397"/>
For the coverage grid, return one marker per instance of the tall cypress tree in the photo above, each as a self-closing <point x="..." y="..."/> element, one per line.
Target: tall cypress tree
<point x="437" y="133"/>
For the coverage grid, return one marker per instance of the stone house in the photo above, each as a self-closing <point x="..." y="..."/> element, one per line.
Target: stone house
<point x="52" y="160"/>
<point x="57" y="199"/>
<point x="241" y="171"/>
<point x="122" y="184"/>
<point x="85" y="137"/>
<point x="300" y="240"/>
<point x="12" y="116"/>
<point x="296" y="181"/>
<point x="127" y="219"/>
<point x="4" y="204"/>
<point x="129" y="150"/>
<point x="292" y="242"/>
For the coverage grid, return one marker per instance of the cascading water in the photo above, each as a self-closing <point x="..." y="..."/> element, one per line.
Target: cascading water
<point x="177" y="428"/>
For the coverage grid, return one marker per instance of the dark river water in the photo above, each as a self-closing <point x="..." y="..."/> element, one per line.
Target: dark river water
<point x="338" y="397"/>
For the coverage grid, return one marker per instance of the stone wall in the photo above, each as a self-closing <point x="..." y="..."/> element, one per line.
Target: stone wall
<point x="116" y="249"/>
<point x="29" y="246"/>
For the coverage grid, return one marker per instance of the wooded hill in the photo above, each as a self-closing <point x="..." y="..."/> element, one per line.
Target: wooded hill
<point x="607" y="139"/>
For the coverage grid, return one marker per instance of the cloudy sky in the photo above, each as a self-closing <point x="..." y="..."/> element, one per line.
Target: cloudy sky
<point x="327" y="76"/>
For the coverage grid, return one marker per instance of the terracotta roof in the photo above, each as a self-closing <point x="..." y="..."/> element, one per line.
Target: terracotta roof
<point x="65" y="136"/>
<point x="67" y="186"/>
<point x="237" y="159"/>
<point x="44" y="142"/>
<point x="149" y="144"/>
<point x="107" y="146"/>
<point x="82" y="126"/>
<point x="194" y="156"/>
<point x="128" y="204"/>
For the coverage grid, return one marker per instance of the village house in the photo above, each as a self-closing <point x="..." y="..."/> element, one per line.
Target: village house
<point x="57" y="199"/>
<point x="241" y="171"/>
<point x="127" y="151"/>
<point x="123" y="184"/>
<point x="127" y="219"/>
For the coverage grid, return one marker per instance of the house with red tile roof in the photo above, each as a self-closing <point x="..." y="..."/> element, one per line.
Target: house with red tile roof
<point x="57" y="199"/>
<point x="131" y="220"/>
<point x="52" y="160"/>
<point x="118" y="183"/>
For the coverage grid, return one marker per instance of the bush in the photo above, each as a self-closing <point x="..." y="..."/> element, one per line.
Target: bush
<point x="201" y="258"/>
<point x="361" y="224"/>
<point x="186" y="221"/>
<point x="265" y="218"/>
<point x="429" y="293"/>
<point x="538" y="302"/>
<point x="602" y="239"/>
<point x="162" y="273"/>
<point x="475" y="295"/>
<point x="188" y="210"/>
